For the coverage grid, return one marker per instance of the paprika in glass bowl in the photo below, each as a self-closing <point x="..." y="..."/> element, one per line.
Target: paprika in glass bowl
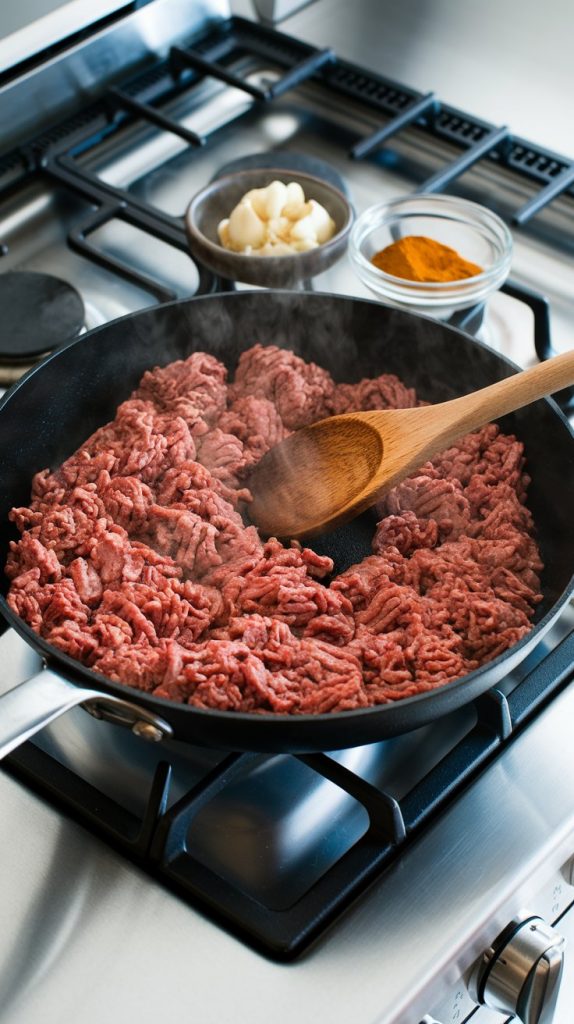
<point x="432" y="254"/>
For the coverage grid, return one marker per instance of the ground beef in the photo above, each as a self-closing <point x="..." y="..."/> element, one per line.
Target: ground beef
<point x="135" y="558"/>
<point x="384" y="392"/>
<point x="301" y="392"/>
<point x="257" y="424"/>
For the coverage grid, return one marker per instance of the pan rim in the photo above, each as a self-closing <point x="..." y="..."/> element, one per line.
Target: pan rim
<point x="77" y="669"/>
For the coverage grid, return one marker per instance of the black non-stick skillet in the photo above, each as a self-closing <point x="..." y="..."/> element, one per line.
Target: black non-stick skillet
<point x="56" y="406"/>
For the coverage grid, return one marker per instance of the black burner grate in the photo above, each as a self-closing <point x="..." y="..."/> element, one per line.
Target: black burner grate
<point x="60" y="152"/>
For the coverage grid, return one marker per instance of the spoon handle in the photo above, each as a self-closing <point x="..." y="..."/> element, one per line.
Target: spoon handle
<point x="471" y="411"/>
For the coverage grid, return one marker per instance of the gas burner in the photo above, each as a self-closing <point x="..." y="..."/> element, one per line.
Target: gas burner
<point x="39" y="312"/>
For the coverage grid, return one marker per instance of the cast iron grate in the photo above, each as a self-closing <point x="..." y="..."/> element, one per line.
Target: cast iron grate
<point x="159" y="842"/>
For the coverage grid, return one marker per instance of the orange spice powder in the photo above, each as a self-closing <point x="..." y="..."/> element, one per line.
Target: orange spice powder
<point x="417" y="258"/>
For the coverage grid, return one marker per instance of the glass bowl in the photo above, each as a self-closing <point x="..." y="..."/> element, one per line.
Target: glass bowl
<point x="475" y="232"/>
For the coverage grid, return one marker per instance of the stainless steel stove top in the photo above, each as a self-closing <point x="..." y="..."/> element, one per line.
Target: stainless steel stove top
<point x="87" y="933"/>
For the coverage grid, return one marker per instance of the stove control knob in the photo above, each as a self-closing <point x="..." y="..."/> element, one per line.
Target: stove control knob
<point x="521" y="972"/>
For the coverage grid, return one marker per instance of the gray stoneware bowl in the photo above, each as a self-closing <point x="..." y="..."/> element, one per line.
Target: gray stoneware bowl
<point x="217" y="200"/>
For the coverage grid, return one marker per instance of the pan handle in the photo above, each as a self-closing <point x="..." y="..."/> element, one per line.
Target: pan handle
<point x="35" y="703"/>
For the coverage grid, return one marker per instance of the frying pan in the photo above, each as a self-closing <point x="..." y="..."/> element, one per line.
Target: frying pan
<point x="45" y="417"/>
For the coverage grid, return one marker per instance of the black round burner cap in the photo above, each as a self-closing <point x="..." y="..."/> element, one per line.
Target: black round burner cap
<point x="38" y="312"/>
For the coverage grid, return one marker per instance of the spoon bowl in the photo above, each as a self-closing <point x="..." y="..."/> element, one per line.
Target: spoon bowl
<point x="325" y="474"/>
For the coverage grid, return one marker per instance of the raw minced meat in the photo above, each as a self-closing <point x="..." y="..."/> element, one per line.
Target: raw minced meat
<point x="301" y="392"/>
<point x="135" y="558"/>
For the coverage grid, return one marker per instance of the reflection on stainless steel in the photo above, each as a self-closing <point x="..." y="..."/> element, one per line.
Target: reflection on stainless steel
<point x="278" y="829"/>
<point x="139" y="150"/>
<point x="568" y="871"/>
<point x="28" y="28"/>
<point x="37" y="222"/>
<point x="52" y="908"/>
<point x="149" y="255"/>
<point x="275" y="11"/>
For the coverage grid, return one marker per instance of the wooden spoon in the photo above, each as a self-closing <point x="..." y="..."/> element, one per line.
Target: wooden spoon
<point x="327" y="473"/>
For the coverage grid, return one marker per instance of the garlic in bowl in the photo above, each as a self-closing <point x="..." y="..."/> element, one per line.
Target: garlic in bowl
<point x="267" y="227"/>
<point x="275" y="221"/>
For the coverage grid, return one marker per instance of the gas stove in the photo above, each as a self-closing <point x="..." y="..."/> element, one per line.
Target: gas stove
<point x="142" y="875"/>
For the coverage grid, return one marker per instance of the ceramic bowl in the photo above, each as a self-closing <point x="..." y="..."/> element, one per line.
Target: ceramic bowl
<point x="216" y="201"/>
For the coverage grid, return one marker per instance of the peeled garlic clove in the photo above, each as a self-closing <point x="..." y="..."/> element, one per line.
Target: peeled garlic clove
<point x="278" y="249"/>
<point x="294" y="211"/>
<point x="223" y="231"/>
<point x="279" y="227"/>
<point x="304" y="228"/>
<point x="304" y="245"/>
<point x="324" y="224"/>
<point x="276" y="199"/>
<point x="276" y="220"/>
<point x="258" y="199"/>
<point x="295" y="194"/>
<point x="245" y="227"/>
